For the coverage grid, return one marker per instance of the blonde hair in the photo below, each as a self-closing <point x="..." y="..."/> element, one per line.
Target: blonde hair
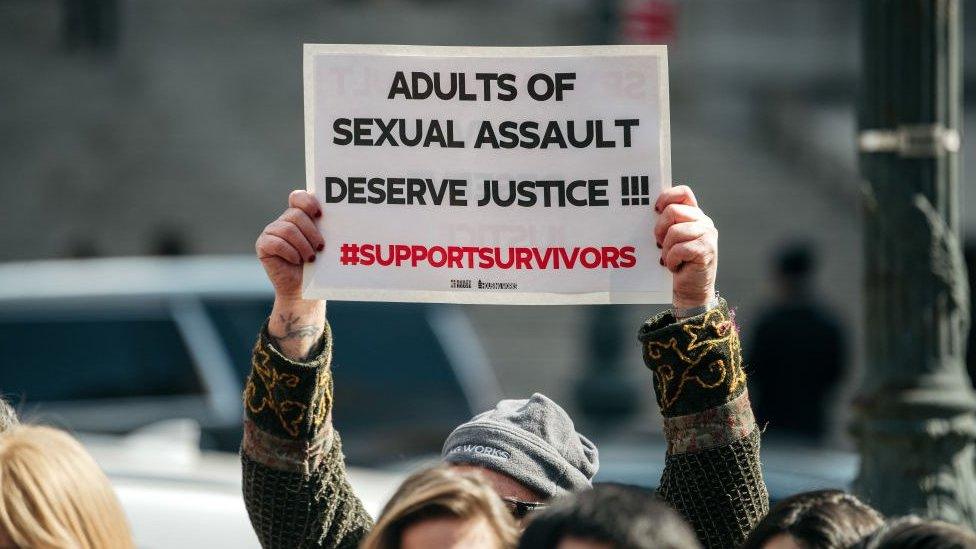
<point x="442" y="492"/>
<point x="53" y="494"/>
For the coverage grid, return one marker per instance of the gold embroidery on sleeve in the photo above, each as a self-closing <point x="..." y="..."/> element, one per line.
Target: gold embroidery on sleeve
<point x="289" y="412"/>
<point x="714" y="331"/>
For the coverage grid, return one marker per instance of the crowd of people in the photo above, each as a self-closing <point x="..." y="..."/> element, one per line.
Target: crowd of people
<point x="518" y="475"/>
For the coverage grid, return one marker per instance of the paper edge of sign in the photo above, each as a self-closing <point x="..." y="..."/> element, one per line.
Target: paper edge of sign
<point x="309" y="116"/>
<point x="481" y="51"/>
<point x="493" y="298"/>
<point x="664" y="95"/>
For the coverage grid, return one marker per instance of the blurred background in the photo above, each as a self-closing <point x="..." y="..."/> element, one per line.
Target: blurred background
<point x="144" y="145"/>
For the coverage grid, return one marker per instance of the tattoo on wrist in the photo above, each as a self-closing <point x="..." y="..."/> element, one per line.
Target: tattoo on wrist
<point x="295" y="330"/>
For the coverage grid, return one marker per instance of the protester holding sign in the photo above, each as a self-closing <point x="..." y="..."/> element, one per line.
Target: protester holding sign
<point x="295" y="486"/>
<point x="294" y="479"/>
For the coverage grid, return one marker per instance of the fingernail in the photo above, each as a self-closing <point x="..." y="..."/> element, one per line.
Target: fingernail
<point x="661" y="261"/>
<point x="321" y="247"/>
<point x="311" y="259"/>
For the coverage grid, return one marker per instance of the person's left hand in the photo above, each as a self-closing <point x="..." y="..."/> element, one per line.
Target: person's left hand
<point x="688" y="241"/>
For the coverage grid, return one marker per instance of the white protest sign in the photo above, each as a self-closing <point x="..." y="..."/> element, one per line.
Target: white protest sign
<point x="487" y="175"/>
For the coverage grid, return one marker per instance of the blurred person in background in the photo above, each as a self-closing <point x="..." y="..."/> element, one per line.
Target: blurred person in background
<point x="168" y="241"/>
<point x="53" y="494"/>
<point x="796" y="340"/>
<point x="610" y="516"/>
<point x="90" y="25"/>
<point x="822" y="519"/>
<point x="295" y="486"/>
<point x="917" y="533"/>
<point x="444" y="507"/>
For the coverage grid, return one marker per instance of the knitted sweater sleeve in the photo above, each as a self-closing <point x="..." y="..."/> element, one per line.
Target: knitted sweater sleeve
<point x="712" y="473"/>
<point x="295" y="486"/>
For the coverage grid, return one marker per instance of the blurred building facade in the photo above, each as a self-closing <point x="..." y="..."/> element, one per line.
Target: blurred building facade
<point x="190" y="128"/>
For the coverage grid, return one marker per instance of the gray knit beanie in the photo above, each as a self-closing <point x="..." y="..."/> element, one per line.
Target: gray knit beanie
<point x="531" y="440"/>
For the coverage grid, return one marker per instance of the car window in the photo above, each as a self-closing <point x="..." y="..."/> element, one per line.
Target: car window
<point x="238" y="321"/>
<point x="93" y="356"/>
<point x="396" y="391"/>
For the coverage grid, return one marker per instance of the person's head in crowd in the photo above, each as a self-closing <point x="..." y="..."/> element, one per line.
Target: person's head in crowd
<point x="795" y="265"/>
<point x="53" y="494"/>
<point x="823" y="519"/>
<point x="916" y="533"/>
<point x="527" y="449"/>
<point x="8" y="417"/>
<point x="444" y="507"/>
<point x="610" y="516"/>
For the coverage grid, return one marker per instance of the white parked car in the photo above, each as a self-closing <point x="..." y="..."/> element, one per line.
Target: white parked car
<point x="145" y="358"/>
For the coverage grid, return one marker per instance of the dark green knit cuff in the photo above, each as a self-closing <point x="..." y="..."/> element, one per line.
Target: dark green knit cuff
<point x="720" y="491"/>
<point x="697" y="362"/>
<point x="289" y="399"/>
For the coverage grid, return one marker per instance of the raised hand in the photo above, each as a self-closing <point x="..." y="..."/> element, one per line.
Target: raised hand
<point x="688" y="241"/>
<point x="283" y="247"/>
<point x="288" y="242"/>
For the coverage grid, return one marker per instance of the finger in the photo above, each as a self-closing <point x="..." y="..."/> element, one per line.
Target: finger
<point x="290" y="233"/>
<point x="682" y="232"/>
<point x="676" y="213"/>
<point x="696" y="252"/>
<point x="682" y="194"/>
<point x="305" y="201"/>
<point x="269" y="245"/>
<point x="306" y="225"/>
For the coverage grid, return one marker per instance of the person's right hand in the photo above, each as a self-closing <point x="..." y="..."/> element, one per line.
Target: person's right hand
<point x="288" y="242"/>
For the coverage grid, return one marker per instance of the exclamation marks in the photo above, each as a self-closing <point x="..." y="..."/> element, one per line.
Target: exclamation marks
<point x="635" y="191"/>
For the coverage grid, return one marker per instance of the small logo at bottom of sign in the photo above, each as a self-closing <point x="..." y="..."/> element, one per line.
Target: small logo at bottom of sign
<point x="485" y="285"/>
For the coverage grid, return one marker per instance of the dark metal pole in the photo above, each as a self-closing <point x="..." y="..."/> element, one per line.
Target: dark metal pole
<point x="915" y="423"/>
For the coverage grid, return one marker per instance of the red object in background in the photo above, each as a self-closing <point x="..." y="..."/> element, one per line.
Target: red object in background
<point x="649" y="21"/>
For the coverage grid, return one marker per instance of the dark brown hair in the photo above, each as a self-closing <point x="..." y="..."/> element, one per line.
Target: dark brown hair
<point x="620" y="515"/>
<point x="824" y="519"/>
<point x="917" y="533"/>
